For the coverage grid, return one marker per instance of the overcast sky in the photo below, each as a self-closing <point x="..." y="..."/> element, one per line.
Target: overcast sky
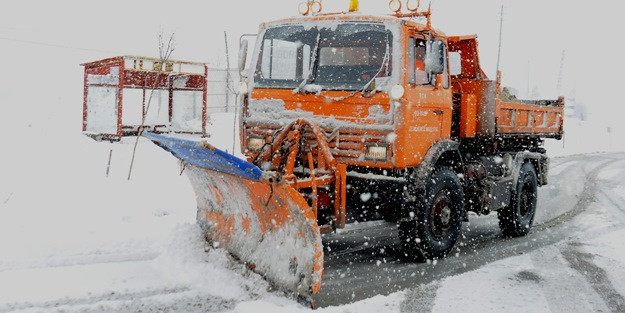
<point x="43" y="43"/>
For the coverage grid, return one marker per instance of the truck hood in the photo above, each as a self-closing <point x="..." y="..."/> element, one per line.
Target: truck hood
<point x="279" y="108"/>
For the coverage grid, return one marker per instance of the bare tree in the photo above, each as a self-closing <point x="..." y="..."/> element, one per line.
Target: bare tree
<point x="166" y="47"/>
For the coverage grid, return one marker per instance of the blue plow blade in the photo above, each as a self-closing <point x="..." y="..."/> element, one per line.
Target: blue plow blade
<point x="194" y="153"/>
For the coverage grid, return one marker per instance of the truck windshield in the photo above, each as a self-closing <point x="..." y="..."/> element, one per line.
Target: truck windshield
<point x="346" y="57"/>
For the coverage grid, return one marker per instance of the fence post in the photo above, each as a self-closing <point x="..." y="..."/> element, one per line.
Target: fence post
<point x="227" y="73"/>
<point x="205" y="101"/>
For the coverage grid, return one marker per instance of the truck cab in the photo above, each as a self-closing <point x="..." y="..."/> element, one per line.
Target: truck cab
<point x="396" y="105"/>
<point x="358" y="79"/>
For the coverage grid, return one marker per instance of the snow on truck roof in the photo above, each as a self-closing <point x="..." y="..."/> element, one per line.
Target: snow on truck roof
<point x="349" y="17"/>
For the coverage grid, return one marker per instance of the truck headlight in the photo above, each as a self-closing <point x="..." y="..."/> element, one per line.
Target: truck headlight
<point x="377" y="153"/>
<point x="256" y="144"/>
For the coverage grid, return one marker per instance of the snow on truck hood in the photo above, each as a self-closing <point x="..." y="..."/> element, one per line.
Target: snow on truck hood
<point x="274" y="112"/>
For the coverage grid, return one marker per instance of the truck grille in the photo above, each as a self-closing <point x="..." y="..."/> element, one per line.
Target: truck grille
<point x="345" y="145"/>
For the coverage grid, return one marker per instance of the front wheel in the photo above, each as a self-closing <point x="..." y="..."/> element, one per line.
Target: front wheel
<point x="436" y="218"/>
<point x="516" y="219"/>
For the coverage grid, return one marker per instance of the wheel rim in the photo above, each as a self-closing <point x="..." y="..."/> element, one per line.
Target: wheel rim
<point x="441" y="215"/>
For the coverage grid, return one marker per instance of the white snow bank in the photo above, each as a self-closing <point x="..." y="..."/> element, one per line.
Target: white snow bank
<point x="377" y="304"/>
<point x="189" y="261"/>
<point x="491" y="289"/>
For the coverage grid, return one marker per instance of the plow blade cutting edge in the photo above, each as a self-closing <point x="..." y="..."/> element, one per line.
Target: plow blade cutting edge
<point x="267" y="225"/>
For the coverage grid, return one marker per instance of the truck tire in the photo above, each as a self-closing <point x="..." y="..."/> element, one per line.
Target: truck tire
<point x="516" y="219"/>
<point x="437" y="218"/>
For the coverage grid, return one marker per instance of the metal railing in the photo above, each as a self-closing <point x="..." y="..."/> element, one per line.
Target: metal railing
<point x="222" y="97"/>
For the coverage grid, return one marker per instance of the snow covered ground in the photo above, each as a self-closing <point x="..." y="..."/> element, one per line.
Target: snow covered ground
<point x="73" y="240"/>
<point x="582" y="272"/>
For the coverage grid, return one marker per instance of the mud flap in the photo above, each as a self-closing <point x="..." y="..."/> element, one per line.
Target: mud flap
<point x="267" y="225"/>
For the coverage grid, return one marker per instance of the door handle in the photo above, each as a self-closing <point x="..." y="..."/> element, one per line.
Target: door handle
<point x="438" y="112"/>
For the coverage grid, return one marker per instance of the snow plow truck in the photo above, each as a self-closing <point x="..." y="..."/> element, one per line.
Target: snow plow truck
<point x="346" y="117"/>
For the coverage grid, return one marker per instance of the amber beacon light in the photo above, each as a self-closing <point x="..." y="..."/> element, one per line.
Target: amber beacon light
<point x="310" y="7"/>
<point x="354" y="6"/>
<point x="395" y="6"/>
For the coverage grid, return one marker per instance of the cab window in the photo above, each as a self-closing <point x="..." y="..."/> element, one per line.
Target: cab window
<point x="455" y="63"/>
<point x="417" y="73"/>
<point x="416" y="65"/>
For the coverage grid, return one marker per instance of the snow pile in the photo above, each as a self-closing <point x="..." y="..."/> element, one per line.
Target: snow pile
<point x="283" y="251"/>
<point x="188" y="260"/>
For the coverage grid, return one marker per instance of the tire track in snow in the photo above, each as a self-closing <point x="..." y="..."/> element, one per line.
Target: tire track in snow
<point x="617" y="209"/>
<point x="373" y="269"/>
<point x="598" y="278"/>
<point x="187" y="304"/>
<point x="106" y="297"/>
<point x="548" y="263"/>
<point x="583" y="262"/>
<point x="78" y="259"/>
<point x="598" y="291"/>
<point x="587" y="197"/>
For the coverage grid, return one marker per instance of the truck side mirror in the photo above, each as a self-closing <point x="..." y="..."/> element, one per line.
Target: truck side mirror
<point x="435" y="57"/>
<point x="243" y="55"/>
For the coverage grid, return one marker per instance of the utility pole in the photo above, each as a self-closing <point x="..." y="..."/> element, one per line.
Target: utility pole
<point x="529" y="67"/>
<point x="561" y="74"/>
<point x="500" y="38"/>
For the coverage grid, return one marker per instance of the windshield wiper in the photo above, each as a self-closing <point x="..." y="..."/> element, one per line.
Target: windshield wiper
<point x="313" y="62"/>
<point x="385" y="62"/>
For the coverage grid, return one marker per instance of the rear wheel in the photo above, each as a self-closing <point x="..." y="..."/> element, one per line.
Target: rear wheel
<point x="516" y="219"/>
<point x="436" y="218"/>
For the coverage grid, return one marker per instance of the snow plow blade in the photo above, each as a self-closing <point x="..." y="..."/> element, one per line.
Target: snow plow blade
<point x="265" y="224"/>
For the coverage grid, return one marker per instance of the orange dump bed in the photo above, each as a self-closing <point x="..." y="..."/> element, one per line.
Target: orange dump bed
<point x="540" y="118"/>
<point x="487" y="110"/>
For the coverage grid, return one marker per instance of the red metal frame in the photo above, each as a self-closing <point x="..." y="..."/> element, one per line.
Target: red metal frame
<point x="139" y="78"/>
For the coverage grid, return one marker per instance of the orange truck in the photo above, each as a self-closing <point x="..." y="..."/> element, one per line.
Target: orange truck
<point x="348" y="117"/>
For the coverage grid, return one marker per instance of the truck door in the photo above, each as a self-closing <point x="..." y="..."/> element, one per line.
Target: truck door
<point x="431" y="104"/>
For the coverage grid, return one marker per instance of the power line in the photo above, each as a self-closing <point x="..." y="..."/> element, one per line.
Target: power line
<point x="12" y="28"/>
<point x="561" y="74"/>
<point x="54" y="45"/>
